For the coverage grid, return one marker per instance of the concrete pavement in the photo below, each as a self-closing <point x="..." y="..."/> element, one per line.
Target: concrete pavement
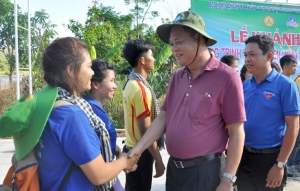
<point x="158" y="184"/>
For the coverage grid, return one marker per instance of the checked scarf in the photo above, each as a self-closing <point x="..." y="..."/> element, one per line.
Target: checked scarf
<point x="97" y="124"/>
<point x="155" y="108"/>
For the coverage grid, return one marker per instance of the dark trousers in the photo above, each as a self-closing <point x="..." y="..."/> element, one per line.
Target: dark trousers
<point x="253" y="170"/>
<point x="203" y="177"/>
<point x="141" y="179"/>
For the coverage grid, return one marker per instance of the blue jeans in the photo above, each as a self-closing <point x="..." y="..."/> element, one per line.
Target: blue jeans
<point x="294" y="158"/>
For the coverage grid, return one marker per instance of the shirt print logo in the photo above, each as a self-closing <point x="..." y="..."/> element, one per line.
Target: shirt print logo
<point x="269" y="94"/>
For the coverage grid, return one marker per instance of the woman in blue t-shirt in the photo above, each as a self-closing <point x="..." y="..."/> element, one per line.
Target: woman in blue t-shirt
<point x="103" y="88"/>
<point x="74" y="134"/>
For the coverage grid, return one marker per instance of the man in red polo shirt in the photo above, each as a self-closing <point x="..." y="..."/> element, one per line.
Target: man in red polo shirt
<point x="204" y="106"/>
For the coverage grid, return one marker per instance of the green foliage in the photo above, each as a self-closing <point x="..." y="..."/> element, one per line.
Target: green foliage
<point x="162" y="57"/>
<point x="93" y="53"/>
<point x="114" y="107"/>
<point x="7" y="33"/>
<point x="141" y="12"/>
<point x="3" y="65"/>
<point x="104" y="29"/>
<point x="115" y="50"/>
<point x="42" y="34"/>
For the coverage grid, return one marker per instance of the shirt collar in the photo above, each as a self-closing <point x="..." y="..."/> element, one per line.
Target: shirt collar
<point x="94" y="102"/>
<point x="271" y="77"/>
<point x="211" y="65"/>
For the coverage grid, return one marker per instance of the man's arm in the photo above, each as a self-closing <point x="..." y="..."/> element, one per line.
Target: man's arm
<point x="154" y="132"/>
<point x="234" y="153"/>
<point x="275" y="174"/>
<point x="144" y="122"/>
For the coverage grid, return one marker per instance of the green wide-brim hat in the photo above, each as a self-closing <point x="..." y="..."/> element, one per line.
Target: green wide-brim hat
<point x="188" y="19"/>
<point x="27" y="118"/>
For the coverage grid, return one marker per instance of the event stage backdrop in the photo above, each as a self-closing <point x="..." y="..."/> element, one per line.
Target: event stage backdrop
<point x="232" y="22"/>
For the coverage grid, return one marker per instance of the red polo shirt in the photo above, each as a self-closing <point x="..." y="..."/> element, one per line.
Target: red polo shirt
<point x="198" y="110"/>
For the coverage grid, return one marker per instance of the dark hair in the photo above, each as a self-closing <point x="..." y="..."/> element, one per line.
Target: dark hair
<point x="134" y="49"/>
<point x="228" y="59"/>
<point x="286" y="60"/>
<point x="243" y="73"/>
<point x="60" y="54"/>
<point x="265" y="43"/>
<point x="100" y="67"/>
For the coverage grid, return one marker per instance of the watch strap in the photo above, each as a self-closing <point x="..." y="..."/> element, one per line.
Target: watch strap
<point x="232" y="178"/>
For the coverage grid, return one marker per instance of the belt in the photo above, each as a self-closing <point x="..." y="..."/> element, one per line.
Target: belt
<point x="194" y="161"/>
<point x="265" y="151"/>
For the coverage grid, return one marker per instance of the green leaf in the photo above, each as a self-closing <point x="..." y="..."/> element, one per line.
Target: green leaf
<point x="93" y="53"/>
<point x="162" y="57"/>
<point x="113" y="52"/>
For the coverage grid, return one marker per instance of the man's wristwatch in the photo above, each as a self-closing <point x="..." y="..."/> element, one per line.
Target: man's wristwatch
<point x="280" y="164"/>
<point x="232" y="178"/>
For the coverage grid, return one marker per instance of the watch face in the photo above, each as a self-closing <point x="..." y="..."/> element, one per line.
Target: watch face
<point x="233" y="179"/>
<point x="280" y="164"/>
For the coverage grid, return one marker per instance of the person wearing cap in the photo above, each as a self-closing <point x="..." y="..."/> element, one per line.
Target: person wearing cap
<point x="272" y="110"/>
<point x="69" y="133"/>
<point x="197" y="113"/>
<point x="140" y="108"/>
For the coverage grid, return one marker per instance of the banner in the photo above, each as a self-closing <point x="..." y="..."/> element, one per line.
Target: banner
<point x="232" y="22"/>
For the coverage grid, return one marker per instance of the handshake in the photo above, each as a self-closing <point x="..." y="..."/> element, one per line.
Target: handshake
<point x="132" y="157"/>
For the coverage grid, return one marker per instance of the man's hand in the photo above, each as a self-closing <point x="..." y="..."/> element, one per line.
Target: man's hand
<point x="160" y="168"/>
<point x="131" y="170"/>
<point x="135" y="151"/>
<point x="130" y="161"/>
<point x="274" y="177"/>
<point x="225" y="185"/>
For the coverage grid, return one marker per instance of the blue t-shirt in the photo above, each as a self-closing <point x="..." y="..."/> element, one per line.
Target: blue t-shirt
<point x="100" y="112"/>
<point x="68" y="136"/>
<point x="267" y="103"/>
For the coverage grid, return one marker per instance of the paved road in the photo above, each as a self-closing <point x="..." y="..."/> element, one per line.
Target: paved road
<point x="7" y="150"/>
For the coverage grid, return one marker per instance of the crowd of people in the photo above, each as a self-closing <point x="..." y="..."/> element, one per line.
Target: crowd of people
<point x="210" y="111"/>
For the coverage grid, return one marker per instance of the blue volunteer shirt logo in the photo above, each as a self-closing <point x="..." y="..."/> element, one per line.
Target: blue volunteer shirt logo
<point x="269" y="94"/>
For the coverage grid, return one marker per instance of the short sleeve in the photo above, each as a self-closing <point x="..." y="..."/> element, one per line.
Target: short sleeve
<point x="290" y="99"/>
<point x="233" y="110"/>
<point x="78" y="139"/>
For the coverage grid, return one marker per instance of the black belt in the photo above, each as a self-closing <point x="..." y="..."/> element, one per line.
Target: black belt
<point x="194" y="161"/>
<point x="265" y="151"/>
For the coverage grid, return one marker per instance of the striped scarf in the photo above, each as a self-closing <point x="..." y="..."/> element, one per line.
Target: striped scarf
<point x="97" y="124"/>
<point x="155" y="108"/>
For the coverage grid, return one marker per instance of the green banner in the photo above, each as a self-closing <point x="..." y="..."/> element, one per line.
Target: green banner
<point x="232" y="22"/>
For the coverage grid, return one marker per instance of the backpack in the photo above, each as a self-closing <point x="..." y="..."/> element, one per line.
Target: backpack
<point x="23" y="174"/>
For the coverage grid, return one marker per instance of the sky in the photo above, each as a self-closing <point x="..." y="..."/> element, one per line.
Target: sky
<point x="61" y="11"/>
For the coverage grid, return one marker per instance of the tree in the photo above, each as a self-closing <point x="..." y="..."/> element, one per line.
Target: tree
<point x="7" y="33"/>
<point x="104" y="29"/>
<point x="140" y="12"/>
<point x="42" y="33"/>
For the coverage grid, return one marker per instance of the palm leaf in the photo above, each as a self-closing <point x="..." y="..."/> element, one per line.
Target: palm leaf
<point x="162" y="57"/>
<point x="93" y="53"/>
<point x="113" y="52"/>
